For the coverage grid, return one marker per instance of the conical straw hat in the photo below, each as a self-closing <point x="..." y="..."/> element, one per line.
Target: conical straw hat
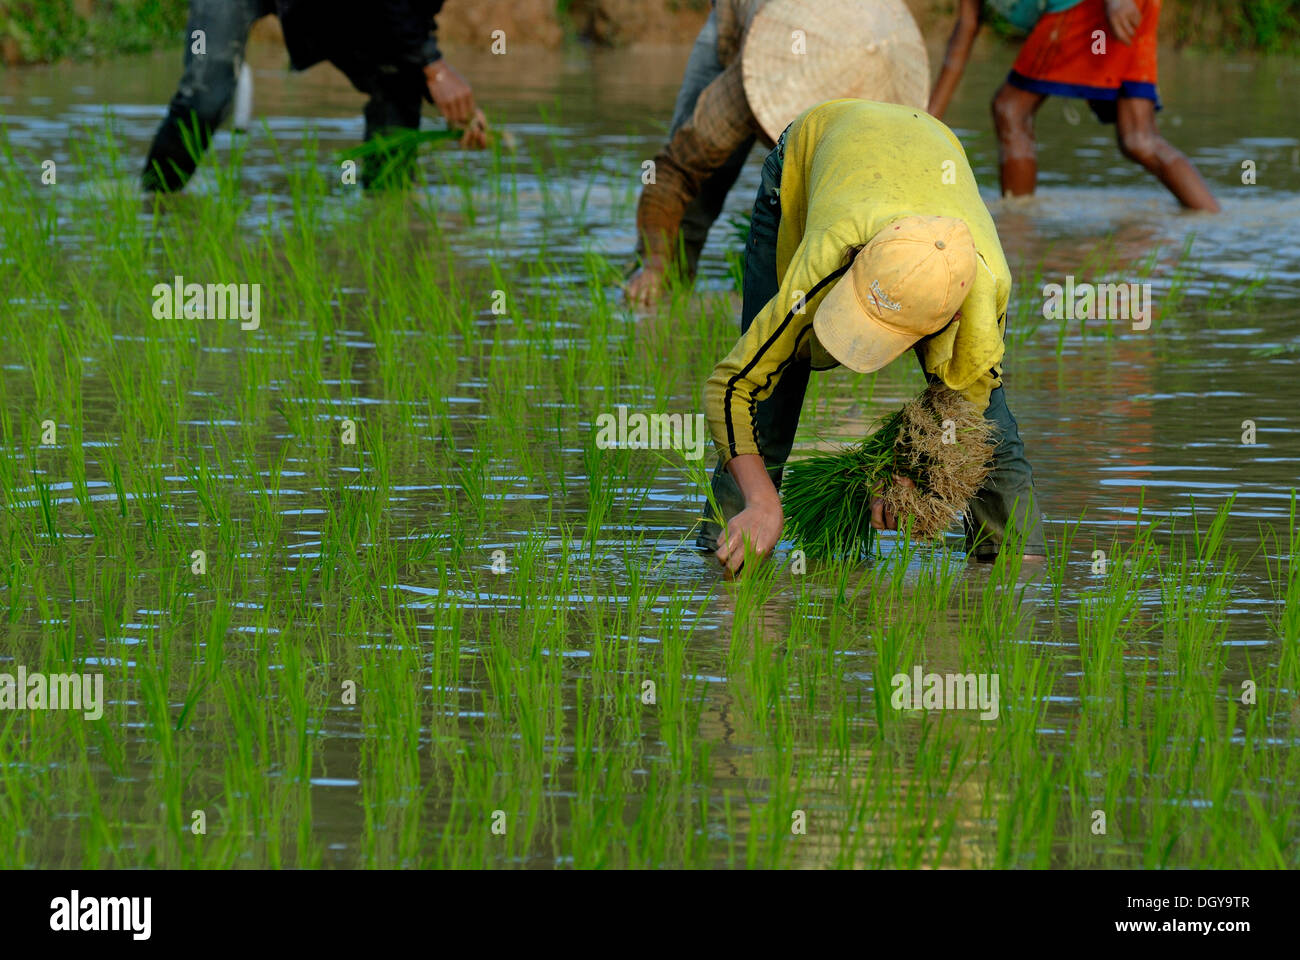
<point x="868" y="49"/>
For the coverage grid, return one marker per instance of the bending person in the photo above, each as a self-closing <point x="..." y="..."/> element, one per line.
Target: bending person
<point x="754" y="66"/>
<point x="869" y="239"/>
<point x="390" y="52"/>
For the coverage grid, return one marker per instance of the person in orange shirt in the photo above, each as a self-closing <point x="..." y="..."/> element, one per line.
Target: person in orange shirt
<point x="1103" y="51"/>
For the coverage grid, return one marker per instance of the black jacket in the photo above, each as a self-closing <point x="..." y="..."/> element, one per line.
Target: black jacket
<point x="398" y="32"/>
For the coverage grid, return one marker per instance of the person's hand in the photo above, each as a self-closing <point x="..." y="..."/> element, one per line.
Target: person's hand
<point x="450" y="93"/>
<point x="1124" y="18"/>
<point x="644" y="286"/>
<point x="759" y="526"/>
<point x="476" y="131"/>
<point x="881" y="517"/>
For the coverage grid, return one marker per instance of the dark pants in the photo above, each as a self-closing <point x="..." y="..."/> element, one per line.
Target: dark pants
<point x="207" y="89"/>
<point x="1009" y="488"/>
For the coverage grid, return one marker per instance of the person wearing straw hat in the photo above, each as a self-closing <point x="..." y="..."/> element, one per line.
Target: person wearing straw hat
<point x="869" y="238"/>
<point x="1103" y="51"/>
<point x="754" y="66"/>
<point x="388" y="51"/>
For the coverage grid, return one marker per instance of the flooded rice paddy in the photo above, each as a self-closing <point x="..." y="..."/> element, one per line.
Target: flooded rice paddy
<point x="364" y="591"/>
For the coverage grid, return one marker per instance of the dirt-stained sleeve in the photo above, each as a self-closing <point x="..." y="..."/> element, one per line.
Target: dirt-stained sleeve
<point x="722" y="121"/>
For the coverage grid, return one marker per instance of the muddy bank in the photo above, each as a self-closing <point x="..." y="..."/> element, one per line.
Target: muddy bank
<point x="52" y="30"/>
<point x="530" y="23"/>
<point x="1266" y="25"/>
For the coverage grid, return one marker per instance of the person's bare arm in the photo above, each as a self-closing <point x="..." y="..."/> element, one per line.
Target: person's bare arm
<point x="760" y="523"/>
<point x="956" y="57"/>
<point x="1124" y="18"/>
<point x="450" y="93"/>
<point x="454" y="98"/>
<point x="762" y="520"/>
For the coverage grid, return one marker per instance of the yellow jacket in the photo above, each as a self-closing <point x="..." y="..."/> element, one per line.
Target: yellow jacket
<point x="851" y="168"/>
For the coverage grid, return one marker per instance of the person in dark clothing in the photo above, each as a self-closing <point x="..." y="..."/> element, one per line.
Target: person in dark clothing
<point x="389" y="51"/>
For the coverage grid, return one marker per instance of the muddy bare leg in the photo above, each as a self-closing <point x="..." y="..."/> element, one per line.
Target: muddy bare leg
<point x="1141" y="142"/>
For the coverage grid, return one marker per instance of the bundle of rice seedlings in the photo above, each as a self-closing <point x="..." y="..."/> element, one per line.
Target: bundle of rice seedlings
<point x="939" y="441"/>
<point x="391" y="153"/>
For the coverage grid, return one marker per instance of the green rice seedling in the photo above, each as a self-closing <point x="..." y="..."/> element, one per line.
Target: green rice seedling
<point x="524" y="693"/>
<point x="1027" y="296"/>
<point x="390" y="767"/>
<point x="389" y="156"/>
<point x="1184" y="268"/>
<point x="827" y="498"/>
<point x="1283" y="569"/>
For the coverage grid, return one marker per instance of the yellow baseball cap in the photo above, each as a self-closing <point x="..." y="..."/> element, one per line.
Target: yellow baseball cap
<point x="907" y="283"/>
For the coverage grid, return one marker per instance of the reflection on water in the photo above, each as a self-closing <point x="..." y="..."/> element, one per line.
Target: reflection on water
<point x="1137" y="420"/>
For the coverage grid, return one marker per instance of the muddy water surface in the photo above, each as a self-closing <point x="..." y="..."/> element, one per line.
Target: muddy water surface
<point x="1114" y="420"/>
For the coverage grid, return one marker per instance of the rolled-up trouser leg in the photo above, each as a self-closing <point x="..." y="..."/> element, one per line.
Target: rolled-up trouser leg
<point x="1007" y="494"/>
<point x="206" y="91"/>
<point x="777" y="417"/>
